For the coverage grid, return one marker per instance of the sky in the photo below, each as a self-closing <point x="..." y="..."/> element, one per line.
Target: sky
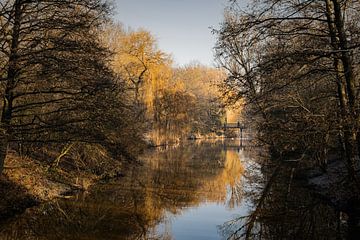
<point x="182" y="27"/>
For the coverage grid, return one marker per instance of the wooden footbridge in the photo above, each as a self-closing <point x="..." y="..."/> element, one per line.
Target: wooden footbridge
<point x="236" y="125"/>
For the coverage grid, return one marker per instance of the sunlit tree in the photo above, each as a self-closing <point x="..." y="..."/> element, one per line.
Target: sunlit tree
<point x="202" y="83"/>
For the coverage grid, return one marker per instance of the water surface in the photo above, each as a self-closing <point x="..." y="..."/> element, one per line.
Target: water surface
<point x="187" y="192"/>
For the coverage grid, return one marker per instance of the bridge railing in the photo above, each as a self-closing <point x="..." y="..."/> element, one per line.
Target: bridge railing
<point x="234" y="125"/>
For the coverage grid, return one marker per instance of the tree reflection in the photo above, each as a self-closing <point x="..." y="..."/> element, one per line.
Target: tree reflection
<point x="133" y="207"/>
<point x="284" y="209"/>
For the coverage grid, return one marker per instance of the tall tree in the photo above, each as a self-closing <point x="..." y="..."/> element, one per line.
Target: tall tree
<point x="52" y="70"/>
<point x="139" y="61"/>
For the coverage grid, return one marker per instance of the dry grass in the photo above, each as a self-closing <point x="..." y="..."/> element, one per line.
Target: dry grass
<point x="41" y="182"/>
<point x="27" y="181"/>
<point x="33" y="177"/>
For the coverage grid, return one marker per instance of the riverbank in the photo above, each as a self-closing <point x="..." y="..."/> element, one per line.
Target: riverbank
<point x="335" y="188"/>
<point x="332" y="187"/>
<point x="27" y="182"/>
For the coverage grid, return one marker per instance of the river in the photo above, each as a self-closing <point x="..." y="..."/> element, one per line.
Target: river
<point x="188" y="192"/>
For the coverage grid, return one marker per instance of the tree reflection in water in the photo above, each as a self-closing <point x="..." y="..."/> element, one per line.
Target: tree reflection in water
<point x="285" y="209"/>
<point x="169" y="181"/>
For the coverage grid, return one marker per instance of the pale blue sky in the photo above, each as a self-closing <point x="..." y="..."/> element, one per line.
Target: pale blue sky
<point x="182" y="27"/>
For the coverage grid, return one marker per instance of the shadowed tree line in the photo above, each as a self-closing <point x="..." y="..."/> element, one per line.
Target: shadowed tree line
<point x="295" y="64"/>
<point x="56" y="85"/>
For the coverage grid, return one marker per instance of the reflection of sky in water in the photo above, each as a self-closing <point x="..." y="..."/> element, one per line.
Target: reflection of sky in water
<point x="203" y="221"/>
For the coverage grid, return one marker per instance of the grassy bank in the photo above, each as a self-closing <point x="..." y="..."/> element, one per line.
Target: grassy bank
<point x="27" y="182"/>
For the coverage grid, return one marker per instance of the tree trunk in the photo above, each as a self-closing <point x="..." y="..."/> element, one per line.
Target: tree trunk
<point x="346" y="84"/>
<point x="345" y="54"/>
<point x="3" y="150"/>
<point x="12" y="73"/>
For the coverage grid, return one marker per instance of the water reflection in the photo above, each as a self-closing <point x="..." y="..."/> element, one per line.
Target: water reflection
<point x="198" y="185"/>
<point x="285" y="209"/>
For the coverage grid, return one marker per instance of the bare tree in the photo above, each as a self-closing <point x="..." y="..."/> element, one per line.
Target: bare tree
<point x="54" y="74"/>
<point x="294" y="61"/>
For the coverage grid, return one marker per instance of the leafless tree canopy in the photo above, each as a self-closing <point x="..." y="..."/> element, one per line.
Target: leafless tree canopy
<point x="55" y="78"/>
<point x="296" y="63"/>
